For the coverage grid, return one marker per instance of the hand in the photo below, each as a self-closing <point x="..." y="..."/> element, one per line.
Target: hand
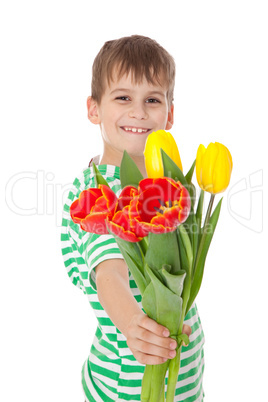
<point x="149" y="341"/>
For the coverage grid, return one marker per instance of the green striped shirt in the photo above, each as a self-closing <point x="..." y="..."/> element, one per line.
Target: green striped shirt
<point x="111" y="372"/>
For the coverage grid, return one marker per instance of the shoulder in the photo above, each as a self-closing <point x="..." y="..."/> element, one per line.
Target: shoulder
<point x="86" y="179"/>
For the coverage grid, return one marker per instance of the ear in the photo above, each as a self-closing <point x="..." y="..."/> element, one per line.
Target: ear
<point x="170" y="119"/>
<point x="92" y="110"/>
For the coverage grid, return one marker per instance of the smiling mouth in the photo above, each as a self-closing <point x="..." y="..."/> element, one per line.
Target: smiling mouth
<point x="135" y="130"/>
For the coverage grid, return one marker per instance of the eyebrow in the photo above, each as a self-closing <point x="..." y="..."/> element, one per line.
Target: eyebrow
<point x="129" y="90"/>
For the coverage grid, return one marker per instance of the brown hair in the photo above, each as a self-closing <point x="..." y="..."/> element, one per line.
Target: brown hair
<point x="141" y="56"/>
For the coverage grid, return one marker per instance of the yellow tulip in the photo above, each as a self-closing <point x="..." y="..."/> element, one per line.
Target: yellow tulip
<point x="213" y="167"/>
<point x="152" y="153"/>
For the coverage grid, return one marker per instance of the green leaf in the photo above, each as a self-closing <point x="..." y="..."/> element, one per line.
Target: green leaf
<point x="130" y="175"/>
<point x="184" y="338"/>
<point x="192" y="191"/>
<point x="202" y="254"/>
<point x="161" y="304"/>
<point x="134" y="260"/>
<point x="174" y="282"/>
<point x="131" y="248"/>
<point x="187" y="245"/>
<point x="163" y="249"/>
<point x="199" y="212"/>
<point x="183" y="256"/>
<point x="195" y="233"/>
<point x="167" y="267"/>
<point x="189" y="175"/>
<point x="99" y="179"/>
<point x="188" y="225"/>
<point x="135" y="271"/>
<point x="171" y="169"/>
<point x="187" y="268"/>
<point x="143" y="244"/>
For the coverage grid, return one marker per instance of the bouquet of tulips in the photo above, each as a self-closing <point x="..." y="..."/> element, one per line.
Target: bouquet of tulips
<point x="161" y="235"/>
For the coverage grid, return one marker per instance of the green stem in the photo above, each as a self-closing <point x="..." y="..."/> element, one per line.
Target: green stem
<point x="199" y="255"/>
<point x="174" y="367"/>
<point x="204" y="229"/>
<point x="146" y="383"/>
<point x="206" y="223"/>
<point x="199" y="213"/>
<point x="212" y="197"/>
<point x="158" y="381"/>
<point x="153" y="382"/>
<point x="162" y="396"/>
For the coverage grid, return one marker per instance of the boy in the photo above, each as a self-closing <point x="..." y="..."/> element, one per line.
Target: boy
<point x="132" y="94"/>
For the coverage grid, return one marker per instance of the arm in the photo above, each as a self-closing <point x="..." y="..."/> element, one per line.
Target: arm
<point x="147" y="340"/>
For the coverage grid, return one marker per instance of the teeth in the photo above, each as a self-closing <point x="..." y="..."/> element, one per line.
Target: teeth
<point x="135" y="130"/>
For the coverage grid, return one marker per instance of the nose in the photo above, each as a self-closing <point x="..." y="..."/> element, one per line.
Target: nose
<point x="138" y="111"/>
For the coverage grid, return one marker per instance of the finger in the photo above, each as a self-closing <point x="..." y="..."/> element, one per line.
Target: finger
<point x="153" y="326"/>
<point x="153" y="350"/>
<point x="186" y="329"/>
<point x="147" y="336"/>
<point x="148" y="359"/>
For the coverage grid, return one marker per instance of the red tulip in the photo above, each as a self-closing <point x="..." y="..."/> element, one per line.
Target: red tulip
<point x="92" y="208"/>
<point x="158" y="206"/>
<point x="126" y="196"/>
<point x="120" y="224"/>
<point x="162" y="204"/>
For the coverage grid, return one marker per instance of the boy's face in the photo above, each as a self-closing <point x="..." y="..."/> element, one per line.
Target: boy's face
<point x="128" y="113"/>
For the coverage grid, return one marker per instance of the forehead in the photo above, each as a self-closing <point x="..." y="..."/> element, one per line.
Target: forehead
<point x="130" y="81"/>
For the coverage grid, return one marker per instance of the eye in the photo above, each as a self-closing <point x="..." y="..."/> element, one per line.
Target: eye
<point x="122" y="98"/>
<point x="152" y="100"/>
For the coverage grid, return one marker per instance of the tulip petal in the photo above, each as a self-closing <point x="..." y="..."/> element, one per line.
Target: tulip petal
<point x="161" y="205"/>
<point x="120" y="226"/>
<point x="153" y="160"/>
<point x="198" y="167"/>
<point x="81" y="207"/>
<point x="175" y="155"/>
<point x="95" y="223"/>
<point x="127" y="194"/>
<point x="109" y="196"/>
<point x="222" y="170"/>
<point x="100" y="206"/>
<point x="208" y="166"/>
<point x="75" y="212"/>
<point x="213" y="167"/>
<point x="147" y="228"/>
<point x="92" y="207"/>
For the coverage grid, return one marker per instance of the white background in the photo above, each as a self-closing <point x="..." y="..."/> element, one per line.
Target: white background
<point x="47" y="49"/>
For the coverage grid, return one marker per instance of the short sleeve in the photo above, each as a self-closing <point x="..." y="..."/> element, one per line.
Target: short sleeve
<point x="97" y="249"/>
<point x="83" y="251"/>
<point x="71" y="241"/>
